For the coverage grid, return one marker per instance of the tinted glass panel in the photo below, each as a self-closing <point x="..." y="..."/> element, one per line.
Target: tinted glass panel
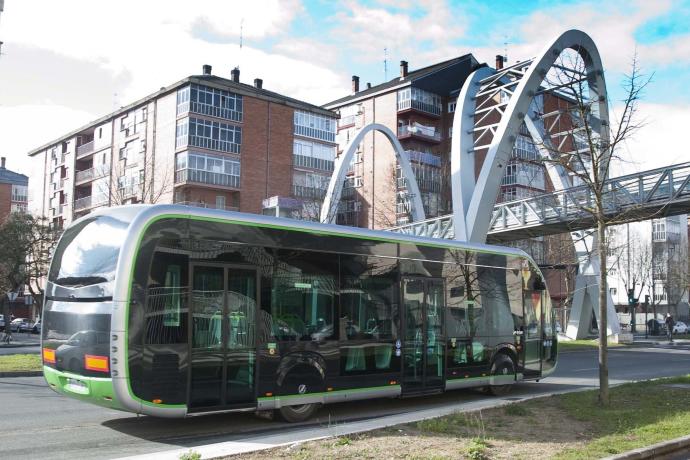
<point x="88" y="252"/>
<point x="368" y="305"/>
<point x="167" y="299"/>
<point x="304" y="287"/>
<point x="74" y="335"/>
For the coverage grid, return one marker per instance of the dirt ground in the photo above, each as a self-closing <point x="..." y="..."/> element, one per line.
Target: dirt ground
<point x="509" y="432"/>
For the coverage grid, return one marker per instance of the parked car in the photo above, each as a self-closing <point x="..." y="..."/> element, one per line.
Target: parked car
<point x="36" y="329"/>
<point x="680" y="328"/>
<point x="21" y="325"/>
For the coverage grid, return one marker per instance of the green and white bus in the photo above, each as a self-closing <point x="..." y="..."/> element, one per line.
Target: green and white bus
<point x="171" y="310"/>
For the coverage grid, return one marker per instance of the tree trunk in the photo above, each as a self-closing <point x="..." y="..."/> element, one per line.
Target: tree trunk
<point x="603" y="323"/>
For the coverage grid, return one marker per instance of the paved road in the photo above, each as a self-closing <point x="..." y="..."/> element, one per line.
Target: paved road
<point x="38" y="423"/>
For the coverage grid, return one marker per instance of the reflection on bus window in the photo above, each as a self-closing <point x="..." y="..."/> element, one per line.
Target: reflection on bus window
<point x="167" y="299"/>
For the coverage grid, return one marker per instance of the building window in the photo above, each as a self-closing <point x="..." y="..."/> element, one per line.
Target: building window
<point x="209" y="101"/>
<point x="19" y="193"/>
<point x="529" y="175"/>
<point x="207" y="134"/>
<point x="658" y="230"/>
<point x="18" y="207"/>
<point x="313" y="155"/>
<point x="524" y="149"/>
<point x="451" y="106"/>
<point x="320" y="127"/>
<point x="207" y="169"/>
<point x="220" y="202"/>
<point x="418" y="99"/>
<point x="309" y="184"/>
<point x="613" y="291"/>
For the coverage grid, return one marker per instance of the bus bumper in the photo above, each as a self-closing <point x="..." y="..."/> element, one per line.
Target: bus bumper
<point x="95" y="390"/>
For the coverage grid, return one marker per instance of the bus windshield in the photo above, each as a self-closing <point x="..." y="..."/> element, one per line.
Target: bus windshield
<point x="87" y="253"/>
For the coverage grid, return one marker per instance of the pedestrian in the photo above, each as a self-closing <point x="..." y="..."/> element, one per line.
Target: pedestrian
<point x="669" y="326"/>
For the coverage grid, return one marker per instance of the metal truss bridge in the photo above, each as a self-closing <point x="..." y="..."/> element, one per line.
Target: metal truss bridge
<point x="634" y="197"/>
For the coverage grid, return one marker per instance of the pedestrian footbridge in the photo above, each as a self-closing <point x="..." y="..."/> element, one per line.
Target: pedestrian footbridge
<point x="634" y="197"/>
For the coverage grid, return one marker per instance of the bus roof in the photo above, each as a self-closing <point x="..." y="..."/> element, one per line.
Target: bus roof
<point x="145" y="213"/>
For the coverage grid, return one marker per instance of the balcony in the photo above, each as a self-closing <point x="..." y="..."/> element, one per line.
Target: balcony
<point x="90" y="174"/>
<point x="199" y="204"/>
<point x="424" y="158"/>
<point x="183" y="176"/>
<point x="346" y="122"/>
<point x="89" y="202"/>
<point x="428" y="133"/>
<point x="313" y="163"/>
<point x="432" y="109"/>
<point x="85" y="149"/>
<point x="303" y="191"/>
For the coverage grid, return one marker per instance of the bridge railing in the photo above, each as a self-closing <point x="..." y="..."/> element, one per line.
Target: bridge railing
<point x="631" y="196"/>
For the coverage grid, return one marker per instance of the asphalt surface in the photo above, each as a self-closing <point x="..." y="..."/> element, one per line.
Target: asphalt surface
<point x="39" y="423"/>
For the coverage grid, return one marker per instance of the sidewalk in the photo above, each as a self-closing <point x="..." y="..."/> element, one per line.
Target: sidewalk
<point x="22" y="339"/>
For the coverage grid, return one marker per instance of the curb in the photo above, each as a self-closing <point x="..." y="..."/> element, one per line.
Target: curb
<point x="677" y="445"/>
<point x="19" y="345"/>
<point x="21" y="374"/>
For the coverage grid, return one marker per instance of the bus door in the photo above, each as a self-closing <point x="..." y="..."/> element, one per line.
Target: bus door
<point x="532" y="333"/>
<point x="223" y="336"/>
<point x="423" y="344"/>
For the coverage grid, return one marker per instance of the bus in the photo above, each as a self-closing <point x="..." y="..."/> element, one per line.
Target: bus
<point x="169" y="310"/>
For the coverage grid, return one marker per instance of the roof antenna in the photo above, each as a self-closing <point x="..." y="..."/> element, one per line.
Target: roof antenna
<point x="385" y="64"/>
<point x="505" y="50"/>
<point x="241" y="30"/>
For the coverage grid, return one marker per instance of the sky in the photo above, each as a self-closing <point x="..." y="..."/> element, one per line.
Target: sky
<point x="65" y="63"/>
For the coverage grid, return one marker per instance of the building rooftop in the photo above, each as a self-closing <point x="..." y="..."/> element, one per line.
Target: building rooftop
<point x="209" y="80"/>
<point x="11" y="177"/>
<point x="466" y="62"/>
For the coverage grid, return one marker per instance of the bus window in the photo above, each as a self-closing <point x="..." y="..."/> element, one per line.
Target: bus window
<point x="303" y="295"/>
<point x="166" y="299"/>
<point x="367" y="298"/>
<point x="88" y="252"/>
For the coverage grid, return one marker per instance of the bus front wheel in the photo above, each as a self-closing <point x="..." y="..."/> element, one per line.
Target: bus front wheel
<point x="503" y="366"/>
<point x="300" y="413"/>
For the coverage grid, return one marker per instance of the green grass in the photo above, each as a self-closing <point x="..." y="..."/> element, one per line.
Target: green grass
<point x="640" y="414"/>
<point x="20" y="363"/>
<point x="518" y="410"/>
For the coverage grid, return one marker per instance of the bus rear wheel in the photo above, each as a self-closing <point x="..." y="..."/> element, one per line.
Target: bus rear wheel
<point x="299" y="413"/>
<point x="503" y="366"/>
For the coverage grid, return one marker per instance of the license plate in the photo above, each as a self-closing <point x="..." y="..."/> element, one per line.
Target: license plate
<point x="77" y="386"/>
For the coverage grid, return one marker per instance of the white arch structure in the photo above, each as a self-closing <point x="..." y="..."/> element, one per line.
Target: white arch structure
<point x="329" y="209"/>
<point x="473" y="199"/>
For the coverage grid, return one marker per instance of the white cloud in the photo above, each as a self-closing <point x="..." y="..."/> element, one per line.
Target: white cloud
<point x="132" y="48"/>
<point x="656" y="144"/>
<point x="368" y="30"/>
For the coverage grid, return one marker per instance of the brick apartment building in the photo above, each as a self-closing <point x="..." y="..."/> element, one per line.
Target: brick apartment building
<point x="203" y="141"/>
<point x="14" y="198"/>
<point x="419" y="106"/>
<point x="13" y="191"/>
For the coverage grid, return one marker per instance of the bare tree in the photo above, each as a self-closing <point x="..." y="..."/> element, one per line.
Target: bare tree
<point x="135" y="178"/>
<point x="583" y="146"/>
<point x="24" y="257"/>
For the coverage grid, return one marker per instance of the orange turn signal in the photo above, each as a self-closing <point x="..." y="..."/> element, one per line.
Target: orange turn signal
<point x="96" y="363"/>
<point x="49" y="355"/>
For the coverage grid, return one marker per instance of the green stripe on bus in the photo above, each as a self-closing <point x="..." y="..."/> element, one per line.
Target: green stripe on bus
<point x="346" y="391"/>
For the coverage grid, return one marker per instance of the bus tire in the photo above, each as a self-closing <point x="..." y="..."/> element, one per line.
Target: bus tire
<point x="502" y="365"/>
<point x="299" y="413"/>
